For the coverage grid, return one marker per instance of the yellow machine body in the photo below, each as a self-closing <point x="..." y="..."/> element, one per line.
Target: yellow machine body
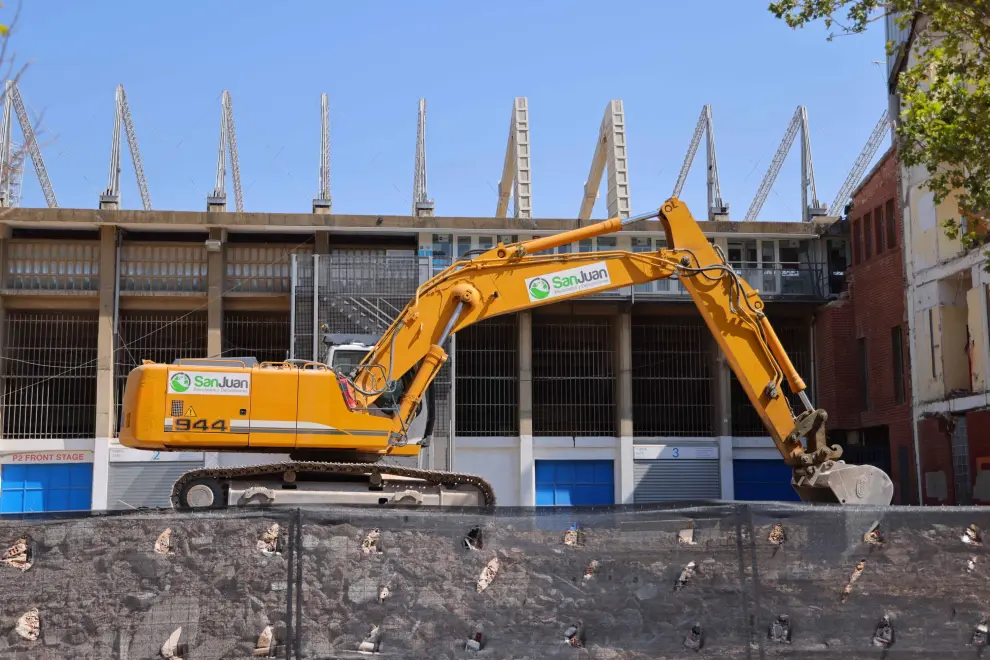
<point x="270" y="407"/>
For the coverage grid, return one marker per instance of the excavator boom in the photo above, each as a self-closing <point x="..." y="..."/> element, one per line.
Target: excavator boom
<point x="330" y="413"/>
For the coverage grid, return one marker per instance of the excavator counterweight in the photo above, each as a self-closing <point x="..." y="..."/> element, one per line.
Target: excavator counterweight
<point x="339" y="426"/>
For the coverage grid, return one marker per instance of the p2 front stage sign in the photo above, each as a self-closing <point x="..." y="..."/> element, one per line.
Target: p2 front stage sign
<point x="209" y="382"/>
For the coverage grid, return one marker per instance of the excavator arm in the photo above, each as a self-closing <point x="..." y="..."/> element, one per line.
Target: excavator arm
<point x="522" y="276"/>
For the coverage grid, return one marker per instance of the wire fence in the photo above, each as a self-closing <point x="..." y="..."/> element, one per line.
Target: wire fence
<point x="49" y="374"/>
<point x="724" y="580"/>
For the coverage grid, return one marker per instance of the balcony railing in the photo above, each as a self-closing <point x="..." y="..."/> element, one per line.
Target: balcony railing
<point x="789" y="281"/>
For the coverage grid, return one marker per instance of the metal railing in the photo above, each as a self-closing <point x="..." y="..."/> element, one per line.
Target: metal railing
<point x="260" y="268"/>
<point x="154" y="267"/>
<point x="52" y="266"/>
<point x="810" y="281"/>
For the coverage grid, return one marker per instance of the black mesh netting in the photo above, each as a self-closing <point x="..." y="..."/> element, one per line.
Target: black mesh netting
<point x="103" y="591"/>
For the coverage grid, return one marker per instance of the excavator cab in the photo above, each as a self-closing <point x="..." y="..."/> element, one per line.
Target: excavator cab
<point x="346" y="356"/>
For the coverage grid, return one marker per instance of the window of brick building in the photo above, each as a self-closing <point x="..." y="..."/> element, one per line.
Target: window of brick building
<point x="891" y="225"/>
<point x="864" y="380"/>
<point x="867" y="238"/>
<point x="897" y="355"/>
<point x="878" y="228"/>
<point x="857" y="241"/>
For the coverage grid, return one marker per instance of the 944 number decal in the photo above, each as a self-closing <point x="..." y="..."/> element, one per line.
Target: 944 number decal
<point x="202" y="425"/>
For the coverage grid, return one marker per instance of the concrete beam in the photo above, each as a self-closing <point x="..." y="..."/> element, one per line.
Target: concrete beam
<point x="308" y="223"/>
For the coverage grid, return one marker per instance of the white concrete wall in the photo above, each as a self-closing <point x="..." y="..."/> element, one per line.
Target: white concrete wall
<point x="507" y="463"/>
<point x="497" y="461"/>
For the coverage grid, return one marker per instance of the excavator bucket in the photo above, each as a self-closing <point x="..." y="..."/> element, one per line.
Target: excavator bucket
<point x="840" y="483"/>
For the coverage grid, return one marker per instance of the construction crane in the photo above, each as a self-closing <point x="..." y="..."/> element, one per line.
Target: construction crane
<point x="228" y="140"/>
<point x="717" y="210"/>
<point x="862" y="162"/>
<point x="321" y="203"/>
<point x="422" y="204"/>
<point x="10" y="178"/>
<point x="809" y="210"/>
<point x="516" y="174"/>
<point x="110" y="199"/>
<point x="337" y="421"/>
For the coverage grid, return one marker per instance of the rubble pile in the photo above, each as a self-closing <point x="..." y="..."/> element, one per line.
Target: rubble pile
<point x="531" y="590"/>
<point x="702" y="582"/>
<point x="143" y="585"/>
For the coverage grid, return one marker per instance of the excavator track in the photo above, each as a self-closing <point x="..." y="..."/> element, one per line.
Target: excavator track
<point x="273" y="471"/>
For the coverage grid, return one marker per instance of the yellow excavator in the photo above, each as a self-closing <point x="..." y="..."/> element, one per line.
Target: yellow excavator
<point x="337" y="424"/>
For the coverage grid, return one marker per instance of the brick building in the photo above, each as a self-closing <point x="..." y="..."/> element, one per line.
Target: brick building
<point x="948" y="312"/>
<point x="862" y="339"/>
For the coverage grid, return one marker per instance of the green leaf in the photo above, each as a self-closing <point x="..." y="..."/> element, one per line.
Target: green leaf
<point x="945" y="93"/>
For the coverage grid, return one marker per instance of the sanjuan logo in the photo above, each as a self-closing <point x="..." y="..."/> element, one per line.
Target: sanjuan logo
<point x="180" y="382"/>
<point x="583" y="277"/>
<point x="219" y="383"/>
<point x="539" y="288"/>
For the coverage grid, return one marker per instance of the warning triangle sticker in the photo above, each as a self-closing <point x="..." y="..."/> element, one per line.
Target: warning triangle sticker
<point x="190" y="412"/>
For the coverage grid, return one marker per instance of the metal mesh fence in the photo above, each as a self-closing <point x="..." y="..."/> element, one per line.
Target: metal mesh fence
<point x="303" y="322"/>
<point x="264" y="335"/>
<point x="49" y="374"/>
<point x="672" y="377"/>
<point x="634" y="581"/>
<point x="363" y="291"/>
<point x="162" y="338"/>
<point x="488" y="378"/>
<point x="360" y="292"/>
<point x="795" y="336"/>
<point x="573" y="376"/>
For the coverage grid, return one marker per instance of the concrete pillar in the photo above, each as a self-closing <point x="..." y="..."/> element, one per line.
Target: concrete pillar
<point x="215" y="275"/>
<point x="622" y="325"/>
<point x="527" y="474"/>
<point x="722" y="415"/>
<point x="979" y="331"/>
<point x="4" y="246"/>
<point x="322" y="245"/>
<point x="721" y="390"/>
<point x="105" y="404"/>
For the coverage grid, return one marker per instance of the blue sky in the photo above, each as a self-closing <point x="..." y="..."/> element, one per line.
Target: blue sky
<point x="665" y="59"/>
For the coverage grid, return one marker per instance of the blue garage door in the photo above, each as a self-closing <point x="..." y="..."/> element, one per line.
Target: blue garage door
<point x="575" y="483"/>
<point x="763" y="481"/>
<point x="34" y="488"/>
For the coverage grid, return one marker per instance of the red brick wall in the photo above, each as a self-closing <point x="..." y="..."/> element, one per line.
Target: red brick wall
<point x="978" y="436"/>
<point x="837" y="380"/>
<point x="873" y="305"/>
